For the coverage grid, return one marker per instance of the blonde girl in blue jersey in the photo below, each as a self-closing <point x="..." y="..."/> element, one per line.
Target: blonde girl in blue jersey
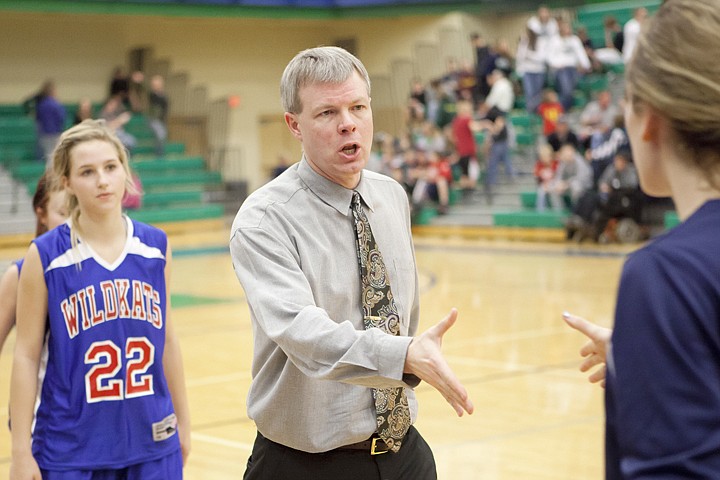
<point x="93" y="323"/>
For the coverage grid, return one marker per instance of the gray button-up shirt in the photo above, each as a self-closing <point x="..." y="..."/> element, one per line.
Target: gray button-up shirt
<point x="293" y="248"/>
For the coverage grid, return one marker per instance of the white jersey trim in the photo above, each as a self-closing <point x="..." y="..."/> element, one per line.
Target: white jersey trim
<point x="83" y="251"/>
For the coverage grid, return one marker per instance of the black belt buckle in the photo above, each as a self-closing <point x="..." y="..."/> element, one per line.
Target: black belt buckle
<point x="376" y="449"/>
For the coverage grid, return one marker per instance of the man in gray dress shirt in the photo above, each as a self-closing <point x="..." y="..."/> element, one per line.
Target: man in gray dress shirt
<point x="294" y="251"/>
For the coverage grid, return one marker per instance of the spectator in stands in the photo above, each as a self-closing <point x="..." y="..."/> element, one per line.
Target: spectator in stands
<point x="50" y="118"/>
<point x="597" y="119"/>
<point x="84" y="111"/>
<point x="466" y="82"/>
<point x="138" y="95"/>
<point x="582" y="34"/>
<point x="158" y="107"/>
<point x="631" y="30"/>
<point x="400" y="163"/>
<point x="502" y="94"/>
<point x="450" y="77"/>
<point x="602" y="155"/>
<point x="463" y="133"/>
<point x="503" y="58"/>
<point x="550" y="110"/>
<point x="417" y="104"/>
<point x="410" y="171"/>
<point x="430" y="138"/>
<point x="418" y="93"/>
<point x="497" y="144"/>
<point x="542" y="23"/>
<point x="116" y="116"/>
<point x="432" y="101"/>
<point x="120" y="84"/>
<point x="414" y="113"/>
<point x="611" y="53"/>
<point x="618" y="193"/>
<point x="128" y="87"/>
<point x="483" y="59"/>
<point x="432" y="174"/>
<point x="563" y="135"/>
<point x="530" y="64"/>
<point x="613" y="32"/>
<point x="566" y="56"/>
<point x="572" y="178"/>
<point x="544" y="171"/>
<point x="446" y="105"/>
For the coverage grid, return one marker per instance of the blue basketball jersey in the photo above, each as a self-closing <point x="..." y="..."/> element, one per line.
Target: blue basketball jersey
<point x="103" y="400"/>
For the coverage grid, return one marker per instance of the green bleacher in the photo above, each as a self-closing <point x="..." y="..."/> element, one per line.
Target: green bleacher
<point x="529" y="219"/>
<point x="175" y="186"/>
<point x="529" y="216"/>
<point x="593" y="16"/>
<point x="18" y="137"/>
<point x="527" y="128"/>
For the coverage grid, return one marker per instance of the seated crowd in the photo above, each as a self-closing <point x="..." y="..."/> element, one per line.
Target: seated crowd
<point x="457" y="127"/>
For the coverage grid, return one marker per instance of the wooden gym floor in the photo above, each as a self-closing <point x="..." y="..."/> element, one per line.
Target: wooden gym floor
<point x="536" y="416"/>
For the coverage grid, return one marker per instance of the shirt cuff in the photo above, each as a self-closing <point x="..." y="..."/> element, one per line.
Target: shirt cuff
<point x="393" y="352"/>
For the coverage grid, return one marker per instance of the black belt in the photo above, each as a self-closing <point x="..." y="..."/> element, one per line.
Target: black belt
<point x="373" y="445"/>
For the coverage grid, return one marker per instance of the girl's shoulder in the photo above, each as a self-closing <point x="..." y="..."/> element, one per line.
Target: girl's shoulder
<point x="145" y="229"/>
<point x="148" y="235"/>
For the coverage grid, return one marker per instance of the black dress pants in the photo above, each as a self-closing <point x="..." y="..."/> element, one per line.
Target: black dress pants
<point x="272" y="461"/>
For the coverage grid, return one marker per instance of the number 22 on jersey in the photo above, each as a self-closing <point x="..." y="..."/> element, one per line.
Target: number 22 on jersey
<point x="106" y="357"/>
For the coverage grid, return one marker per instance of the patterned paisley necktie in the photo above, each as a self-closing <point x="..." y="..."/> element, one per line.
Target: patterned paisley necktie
<point x="379" y="311"/>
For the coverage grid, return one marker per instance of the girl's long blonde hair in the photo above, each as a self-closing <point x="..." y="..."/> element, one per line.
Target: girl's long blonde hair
<point x="84" y="132"/>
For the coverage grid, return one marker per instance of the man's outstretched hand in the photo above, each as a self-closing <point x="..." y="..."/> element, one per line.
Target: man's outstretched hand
<point x="425" y="360"/>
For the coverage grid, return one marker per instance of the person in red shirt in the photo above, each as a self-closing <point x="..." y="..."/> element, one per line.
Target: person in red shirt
<point x="550" y="109"/>
<point x="464" y="127"/>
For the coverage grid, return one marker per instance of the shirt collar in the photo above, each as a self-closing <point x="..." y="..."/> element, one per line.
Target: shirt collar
<point x="337" y="196"/>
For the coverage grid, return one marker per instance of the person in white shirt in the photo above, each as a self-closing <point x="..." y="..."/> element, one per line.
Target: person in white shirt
<point x="631" y="30"/>
<point x="543" y="24"/>
<point x="566" y="56"/>
<point x="501" y="93"/>
<point x="530" y="65"/>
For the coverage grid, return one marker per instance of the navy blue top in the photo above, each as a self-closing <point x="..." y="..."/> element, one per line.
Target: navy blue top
<point x="50" y="115"/>
<point x="663" y="383"/>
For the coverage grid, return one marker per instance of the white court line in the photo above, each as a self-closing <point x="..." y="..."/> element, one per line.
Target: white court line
<point x="522" y="335"/>
<point x="477" y="362"/>
<point x="201" y="437"/>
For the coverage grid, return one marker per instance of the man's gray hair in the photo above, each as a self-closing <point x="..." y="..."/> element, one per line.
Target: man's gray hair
<point x="317" y="65"/>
